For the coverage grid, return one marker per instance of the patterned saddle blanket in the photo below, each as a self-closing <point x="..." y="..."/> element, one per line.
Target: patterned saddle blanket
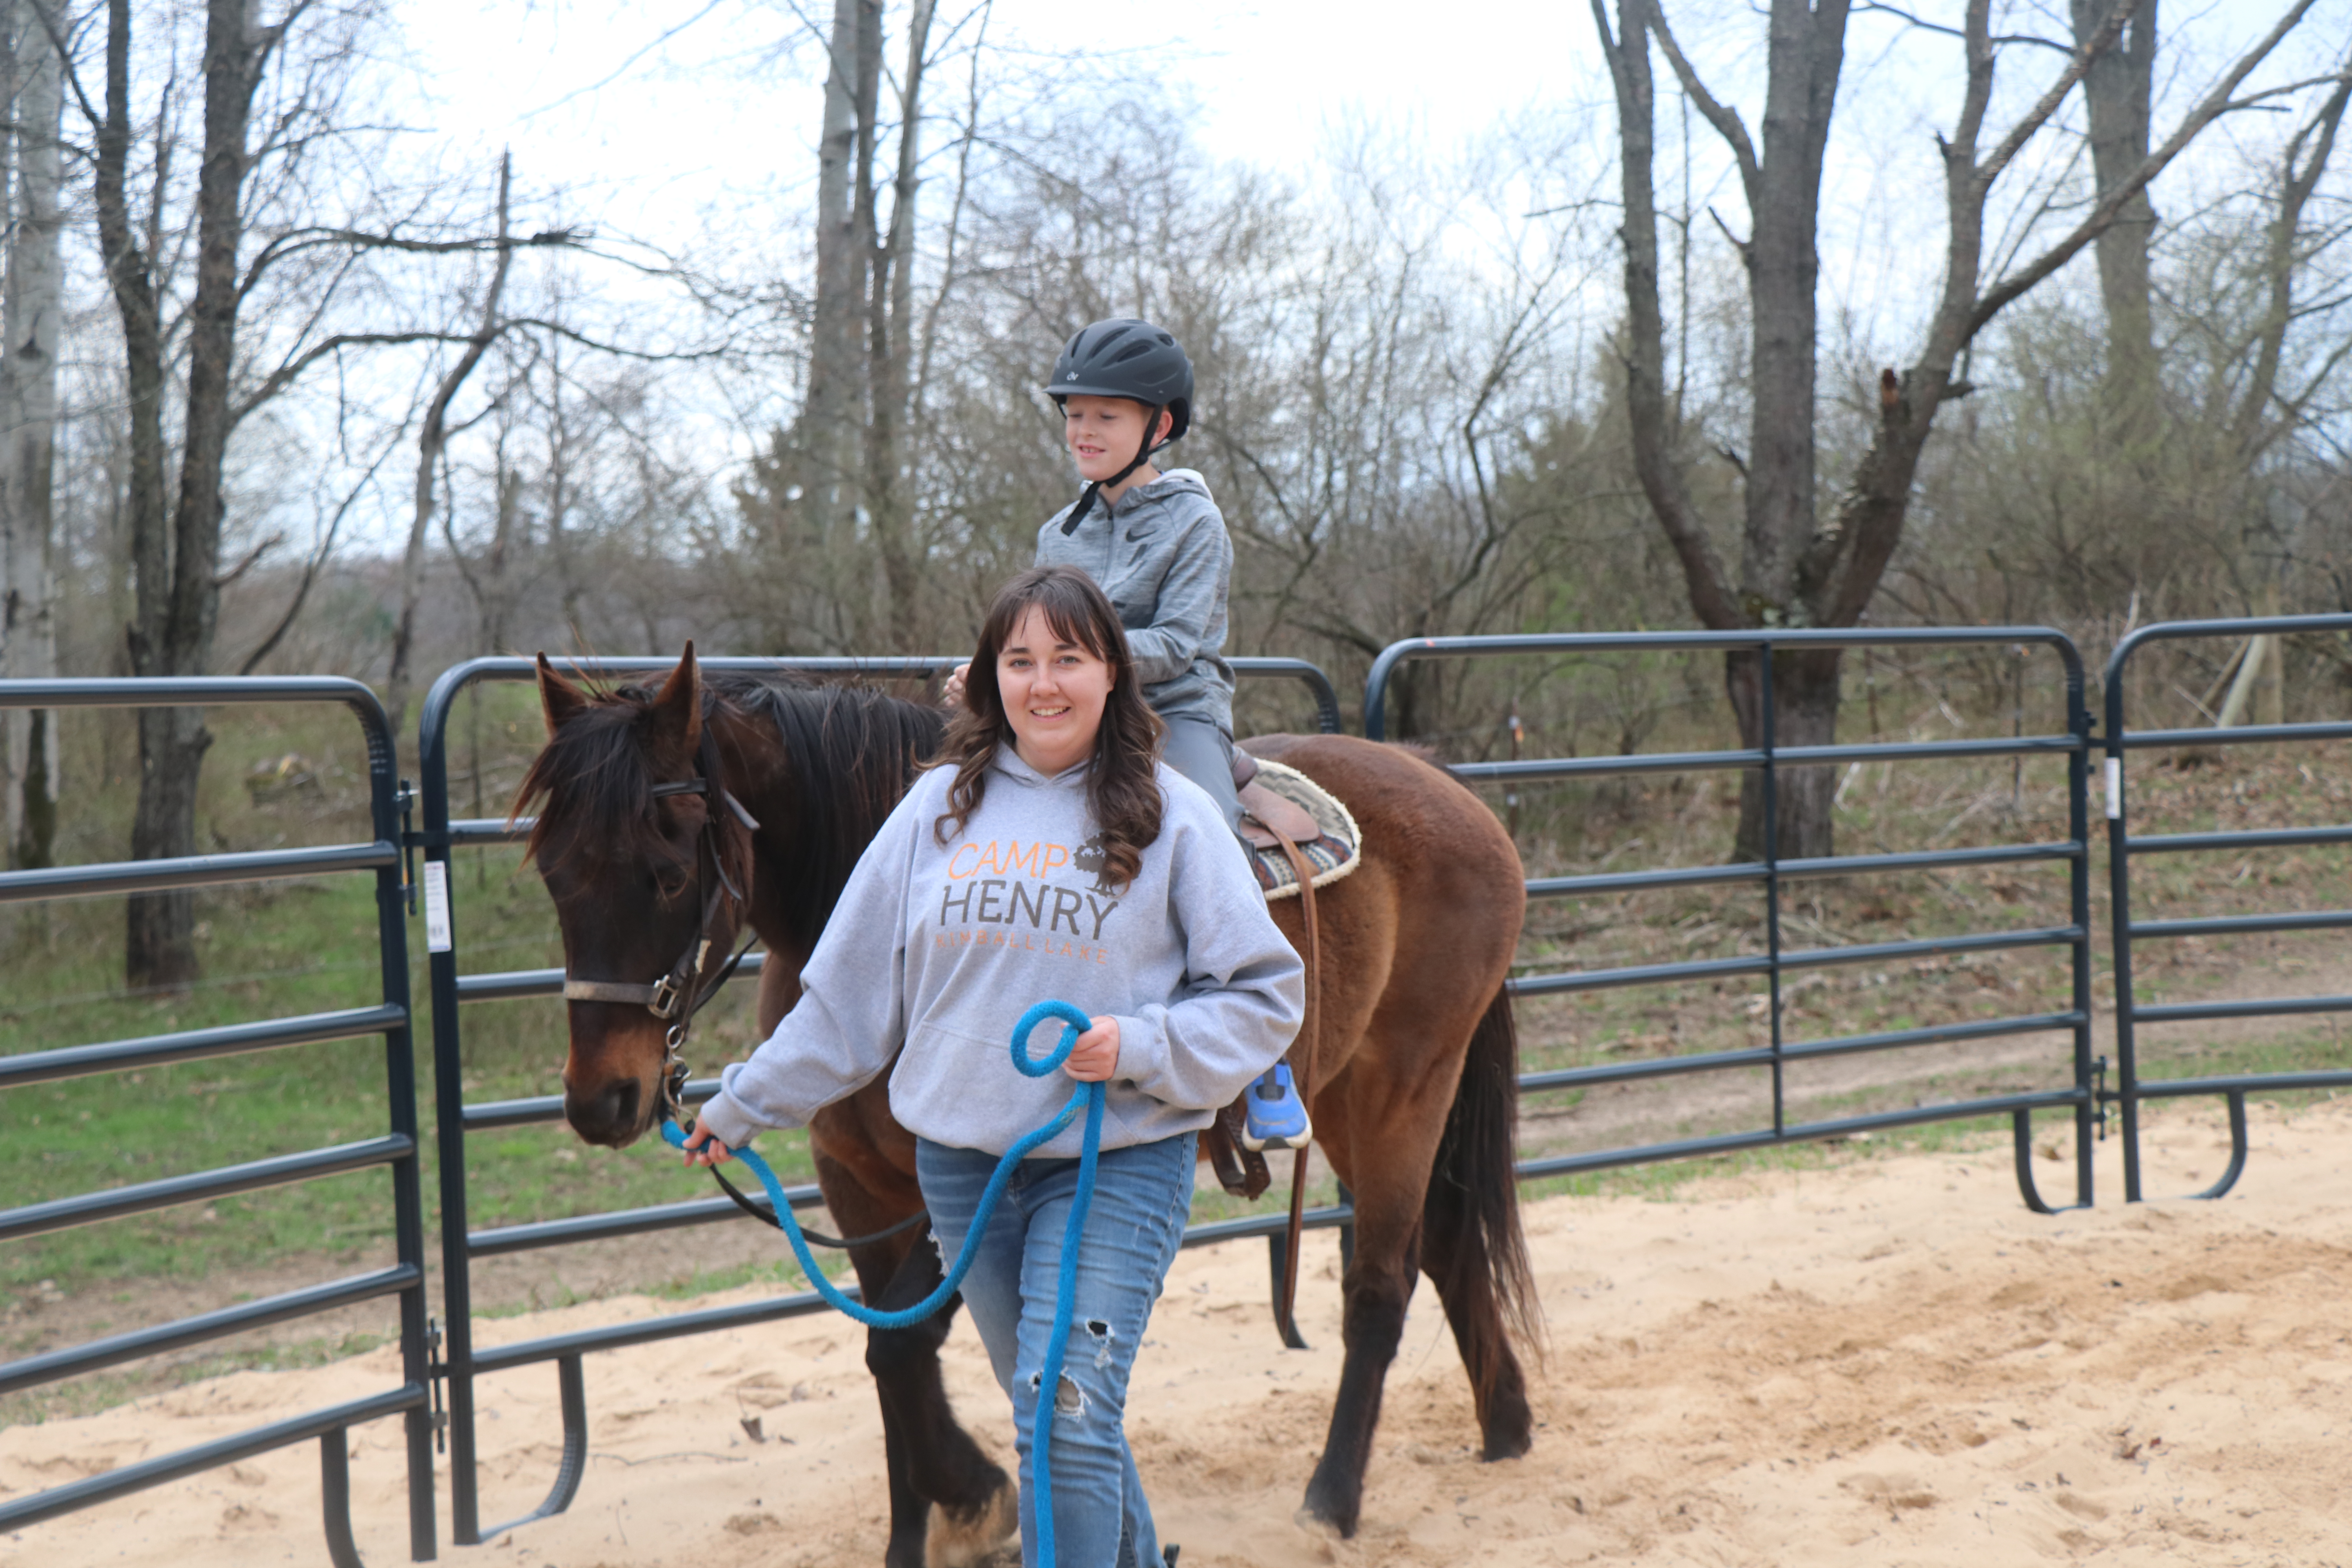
<point x="1324" y="830"/>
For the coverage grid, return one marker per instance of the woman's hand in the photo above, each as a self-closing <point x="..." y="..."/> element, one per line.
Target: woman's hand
<point x="702" y="1149"/>
<point x="1096" y="1056"/>
<point x="951" y="694"/>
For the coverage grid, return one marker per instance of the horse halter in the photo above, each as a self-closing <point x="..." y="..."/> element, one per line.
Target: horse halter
<point x="677" y="996"/>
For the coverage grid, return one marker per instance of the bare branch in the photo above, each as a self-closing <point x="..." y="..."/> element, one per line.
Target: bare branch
<point x="2213" y="105"/>
<point x="1725" y="120"/>
<point x="1925" y="26"/>
<point x="2076" y="67"/>
<point x="252" y="557"/>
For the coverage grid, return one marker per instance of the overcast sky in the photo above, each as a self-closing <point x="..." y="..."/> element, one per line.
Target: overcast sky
<point x="658" y="109"/>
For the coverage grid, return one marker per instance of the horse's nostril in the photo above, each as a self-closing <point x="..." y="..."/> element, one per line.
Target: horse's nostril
<point x="609" y="1118"/>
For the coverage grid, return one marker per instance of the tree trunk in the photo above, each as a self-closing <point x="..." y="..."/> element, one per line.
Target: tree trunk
<point x="889" y="347"/>
<point x="1805" y="687"/>
<point x="174" y="551"/>
<point x="29" y="320"/>
<point x="2117" y="93"/>
<point x="830" y="414"/>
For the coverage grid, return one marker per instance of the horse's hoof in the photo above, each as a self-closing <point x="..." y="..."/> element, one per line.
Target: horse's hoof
<point x="1507" y="1445"/>
<point x="952" y="1541"/>
<point x="1315" y="1524"/>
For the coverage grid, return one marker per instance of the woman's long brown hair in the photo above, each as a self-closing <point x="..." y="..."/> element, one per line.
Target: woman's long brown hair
<point x="1121" y="789"/>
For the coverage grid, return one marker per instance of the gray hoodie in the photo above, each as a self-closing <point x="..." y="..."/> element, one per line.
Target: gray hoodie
<point x="1162" y="554"/>
<point x="944" y="947"/>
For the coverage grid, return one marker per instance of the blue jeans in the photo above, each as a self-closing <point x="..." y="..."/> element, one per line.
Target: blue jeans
<point x="1205" y="753"/>
<point x="1142" y="1197"/>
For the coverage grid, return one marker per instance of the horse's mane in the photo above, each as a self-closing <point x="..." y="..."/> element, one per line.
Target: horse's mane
<point x="850" y="754"/>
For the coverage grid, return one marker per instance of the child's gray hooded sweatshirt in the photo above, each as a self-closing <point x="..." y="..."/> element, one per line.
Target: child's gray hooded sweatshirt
<point x="1162" y="554"/>
<point x="945" y="946"/>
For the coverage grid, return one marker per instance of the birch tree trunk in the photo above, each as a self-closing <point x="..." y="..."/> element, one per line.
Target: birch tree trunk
<point x="29" y="318"/>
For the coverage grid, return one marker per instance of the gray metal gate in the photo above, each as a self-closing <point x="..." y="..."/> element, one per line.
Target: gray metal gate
<point x="396" y="1150"/>
<point x="2081" y="1096"/>
<point x="2124" y="847"/>
<point x="461" y="1362"/>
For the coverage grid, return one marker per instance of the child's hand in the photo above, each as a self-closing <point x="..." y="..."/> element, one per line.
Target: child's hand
<point x="951" y="694"/>
<point x="1096" y="1056"/>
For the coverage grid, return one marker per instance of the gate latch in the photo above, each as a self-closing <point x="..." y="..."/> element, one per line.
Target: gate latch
<point x="406" y="801"/>
<point x="436" y="1369"/>
<point x="2099" y="1096"/>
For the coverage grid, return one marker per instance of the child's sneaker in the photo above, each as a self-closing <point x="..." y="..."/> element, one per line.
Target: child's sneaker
<point x="1273" y="1117"/>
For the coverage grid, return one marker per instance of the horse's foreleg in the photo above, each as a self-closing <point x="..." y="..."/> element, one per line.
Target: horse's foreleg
<point x="950" y="1503"/>
<point x="931" y="1459"/>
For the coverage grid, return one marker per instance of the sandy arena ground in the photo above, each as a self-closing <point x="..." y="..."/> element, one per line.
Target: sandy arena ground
<point x="1890" y="1362"/>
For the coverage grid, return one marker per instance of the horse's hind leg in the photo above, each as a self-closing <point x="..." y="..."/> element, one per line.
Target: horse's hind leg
<point x="1376" y="1291"/>
<point x="1471" y="1244"/>
<point x="930" y="1458"/>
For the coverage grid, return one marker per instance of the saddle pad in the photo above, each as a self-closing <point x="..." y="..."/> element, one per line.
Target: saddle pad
<point x="1329" y="856"/>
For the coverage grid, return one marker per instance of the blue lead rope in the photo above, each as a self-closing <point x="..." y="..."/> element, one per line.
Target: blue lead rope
<point x="1050" y="1381"/>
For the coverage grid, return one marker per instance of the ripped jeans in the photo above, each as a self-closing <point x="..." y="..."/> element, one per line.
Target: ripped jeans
<point x="1142" y="1197"/>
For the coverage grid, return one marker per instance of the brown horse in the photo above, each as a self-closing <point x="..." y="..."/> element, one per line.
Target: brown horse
<point x="673" y="818"/>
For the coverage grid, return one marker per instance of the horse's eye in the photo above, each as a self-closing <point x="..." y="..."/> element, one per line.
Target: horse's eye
<point x="670" y="882"/>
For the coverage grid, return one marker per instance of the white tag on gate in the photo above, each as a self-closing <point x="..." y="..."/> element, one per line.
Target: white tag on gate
<point x="2115" y="789"/>
<point x="436" y="906"/>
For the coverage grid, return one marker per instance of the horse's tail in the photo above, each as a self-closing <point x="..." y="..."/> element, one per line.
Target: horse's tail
<point x="1473" y="1187"/>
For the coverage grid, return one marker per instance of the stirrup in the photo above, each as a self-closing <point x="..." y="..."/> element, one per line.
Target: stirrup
<point x="1273" y="1116"/>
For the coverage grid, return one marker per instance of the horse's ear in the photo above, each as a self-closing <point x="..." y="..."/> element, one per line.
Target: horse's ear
<point x="559" y="699"/>
<point x="677" y="708"/>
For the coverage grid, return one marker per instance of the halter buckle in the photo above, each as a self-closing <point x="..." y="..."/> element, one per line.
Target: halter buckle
<point x="667" y="996"/>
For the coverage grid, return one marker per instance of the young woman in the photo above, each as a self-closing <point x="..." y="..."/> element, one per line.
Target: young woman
<point x="1049" y="854"/>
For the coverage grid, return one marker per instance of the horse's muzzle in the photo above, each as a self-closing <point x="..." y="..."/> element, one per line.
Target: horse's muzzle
<point x="615" y="1116"/>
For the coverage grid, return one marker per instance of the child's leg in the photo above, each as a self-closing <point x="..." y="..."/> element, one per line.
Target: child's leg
<point x="1205" y="753"/>
<point x="1275" y="1116"/>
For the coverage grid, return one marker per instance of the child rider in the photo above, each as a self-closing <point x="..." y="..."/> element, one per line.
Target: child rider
<point x="1156" y="544"/>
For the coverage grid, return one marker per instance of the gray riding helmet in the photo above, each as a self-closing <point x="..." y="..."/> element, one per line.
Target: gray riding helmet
<point x="1123" y="357"/>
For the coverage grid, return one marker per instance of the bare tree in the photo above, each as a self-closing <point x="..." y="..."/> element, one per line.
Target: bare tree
<point x="212" y="330"/>
<point x="30" y="321"/>
<point x="1802" y="564"/>
<point x="846" y="462"/>
<point x="176" y="546"/>
<point x="432" y="440"/>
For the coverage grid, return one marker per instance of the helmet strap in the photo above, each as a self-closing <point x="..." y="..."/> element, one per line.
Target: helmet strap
<point x="1142" y="456"/>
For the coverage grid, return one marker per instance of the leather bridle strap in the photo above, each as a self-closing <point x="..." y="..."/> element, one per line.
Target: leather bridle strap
<point x="815" y="1237"/>
<point x="1302" y="1063"/>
